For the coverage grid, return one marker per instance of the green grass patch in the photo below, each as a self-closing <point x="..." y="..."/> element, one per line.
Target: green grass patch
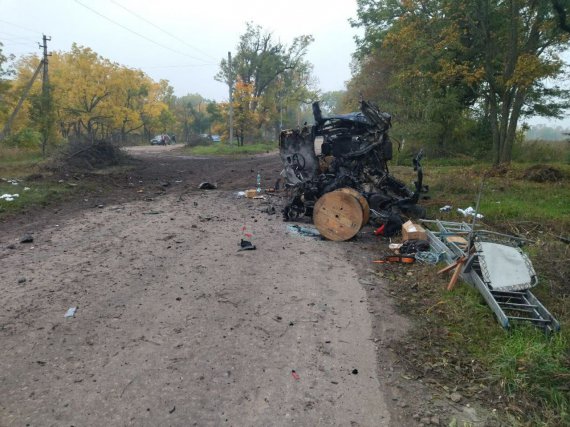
<point x="34" y="185"/>
<point x="232" y="150"/>
<point x="526" y="371"/>
<point x="523" y="359"/>
<point x="506" y="197"/>
<point x="35" y="193"/>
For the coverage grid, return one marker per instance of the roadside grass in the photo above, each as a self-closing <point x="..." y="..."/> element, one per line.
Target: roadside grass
<point x="37" y="194"/>
<point x="17" y="162"/>
<point x="38" y="182"/>
<point x="19" y="170"/>
<point x="222" y="149"/>
<point x="527" y="372"/>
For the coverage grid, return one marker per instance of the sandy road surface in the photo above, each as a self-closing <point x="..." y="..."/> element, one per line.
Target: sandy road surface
<point x="176" y="327"/>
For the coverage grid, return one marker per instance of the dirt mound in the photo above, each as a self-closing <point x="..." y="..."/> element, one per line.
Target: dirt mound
<point x="543" y="173"/>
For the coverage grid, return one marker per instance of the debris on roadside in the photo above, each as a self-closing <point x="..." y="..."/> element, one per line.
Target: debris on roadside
<point x="251" y="193"/>
<point x="207" y="186"/>
<point x="349" y="153"/>
<point x="9" y="197"/>
<point x="70" y="312"/>
<point x="469" y="212"/>
<point x="494" y="264"/>
<point x="304" y="231"/>
<point x="412" y="231"/>
<point x="269" y="210"/>
<point x="390" y="225"/>
<point x="27" y="238"/>
<point x="412" y="246"/>
<point x="245" y="243"/>
<point x="338" y="215"/>
<point x="396" y="259"/>
<point x="11" y="181"/>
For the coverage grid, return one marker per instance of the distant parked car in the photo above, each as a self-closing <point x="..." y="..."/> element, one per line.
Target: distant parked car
<point x="162" y="139"/>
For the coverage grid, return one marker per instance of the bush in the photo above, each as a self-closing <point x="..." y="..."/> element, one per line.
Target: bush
<point x="26" y="138"/>
<point x="91" y="155"/>
<point x="196" y="140"/>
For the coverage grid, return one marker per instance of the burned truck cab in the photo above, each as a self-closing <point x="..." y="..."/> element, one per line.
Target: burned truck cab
<point x="350" y="150"/>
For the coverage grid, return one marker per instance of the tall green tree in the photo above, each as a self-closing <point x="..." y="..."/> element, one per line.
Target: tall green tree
<point x="445" y="59"/>
<point x="273" y="71"/>
<point x="414" y="65"/>
<point x="520" y="42"/>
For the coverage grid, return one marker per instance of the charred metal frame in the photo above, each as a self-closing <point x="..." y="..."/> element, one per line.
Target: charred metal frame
<point x="350" y="150"/>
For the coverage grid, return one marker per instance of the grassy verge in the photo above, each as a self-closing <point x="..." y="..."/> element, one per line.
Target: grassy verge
<point x="231" y="150"/>
<point x="20" y="174"/>
<point x="520" y="372"/>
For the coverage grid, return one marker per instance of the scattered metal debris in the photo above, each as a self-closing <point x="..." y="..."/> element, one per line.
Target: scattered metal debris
<point x="304" y="231"/>
<point x="495" y="265"/>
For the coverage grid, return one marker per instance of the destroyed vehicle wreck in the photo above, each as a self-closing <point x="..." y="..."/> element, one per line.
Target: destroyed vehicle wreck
<point x="350" y="150"/>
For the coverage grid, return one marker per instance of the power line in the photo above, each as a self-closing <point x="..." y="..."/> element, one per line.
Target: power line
<point x="12" y="36"/>
<point x="181" y="66"/>
<point x="19" y="26"/>
<point x="163" y="30"/>
<point x="136" y="33"/>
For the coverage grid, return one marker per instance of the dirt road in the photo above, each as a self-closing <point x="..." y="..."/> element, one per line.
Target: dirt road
<point x="174" y="326"/>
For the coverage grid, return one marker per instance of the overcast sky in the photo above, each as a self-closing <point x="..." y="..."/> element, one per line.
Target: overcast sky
<point x="182" y="41"/>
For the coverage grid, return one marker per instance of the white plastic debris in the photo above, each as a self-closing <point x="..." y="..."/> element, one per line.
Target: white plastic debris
<point x="26" y="188"/>
<point x="70" y="312"/>
<point x="469" y="212"/>
<point x="445" y="208"/>
<point x="9" y="197"/>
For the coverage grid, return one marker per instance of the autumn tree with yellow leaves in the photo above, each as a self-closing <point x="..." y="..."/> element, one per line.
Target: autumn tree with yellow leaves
<point x="93" y="97"/>
<point x="245" y="116"/>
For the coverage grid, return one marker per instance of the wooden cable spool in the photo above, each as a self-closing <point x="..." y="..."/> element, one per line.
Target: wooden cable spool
<point x="362" y="200"/>
<point x="338" y="215"/>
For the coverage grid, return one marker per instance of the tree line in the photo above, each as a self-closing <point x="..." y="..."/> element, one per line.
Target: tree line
<point x="458" y="76"/>
<point x="92" y="97"/>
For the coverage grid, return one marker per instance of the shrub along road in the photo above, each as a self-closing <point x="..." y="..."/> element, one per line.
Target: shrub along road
<point x="175" y="326"/>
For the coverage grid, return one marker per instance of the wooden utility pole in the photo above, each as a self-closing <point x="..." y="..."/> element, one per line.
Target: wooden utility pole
<point x="45" y="93"/>
<point x="230" y="85"/>
<point x="46" y="107"/>
<point x="45" y="77"/>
